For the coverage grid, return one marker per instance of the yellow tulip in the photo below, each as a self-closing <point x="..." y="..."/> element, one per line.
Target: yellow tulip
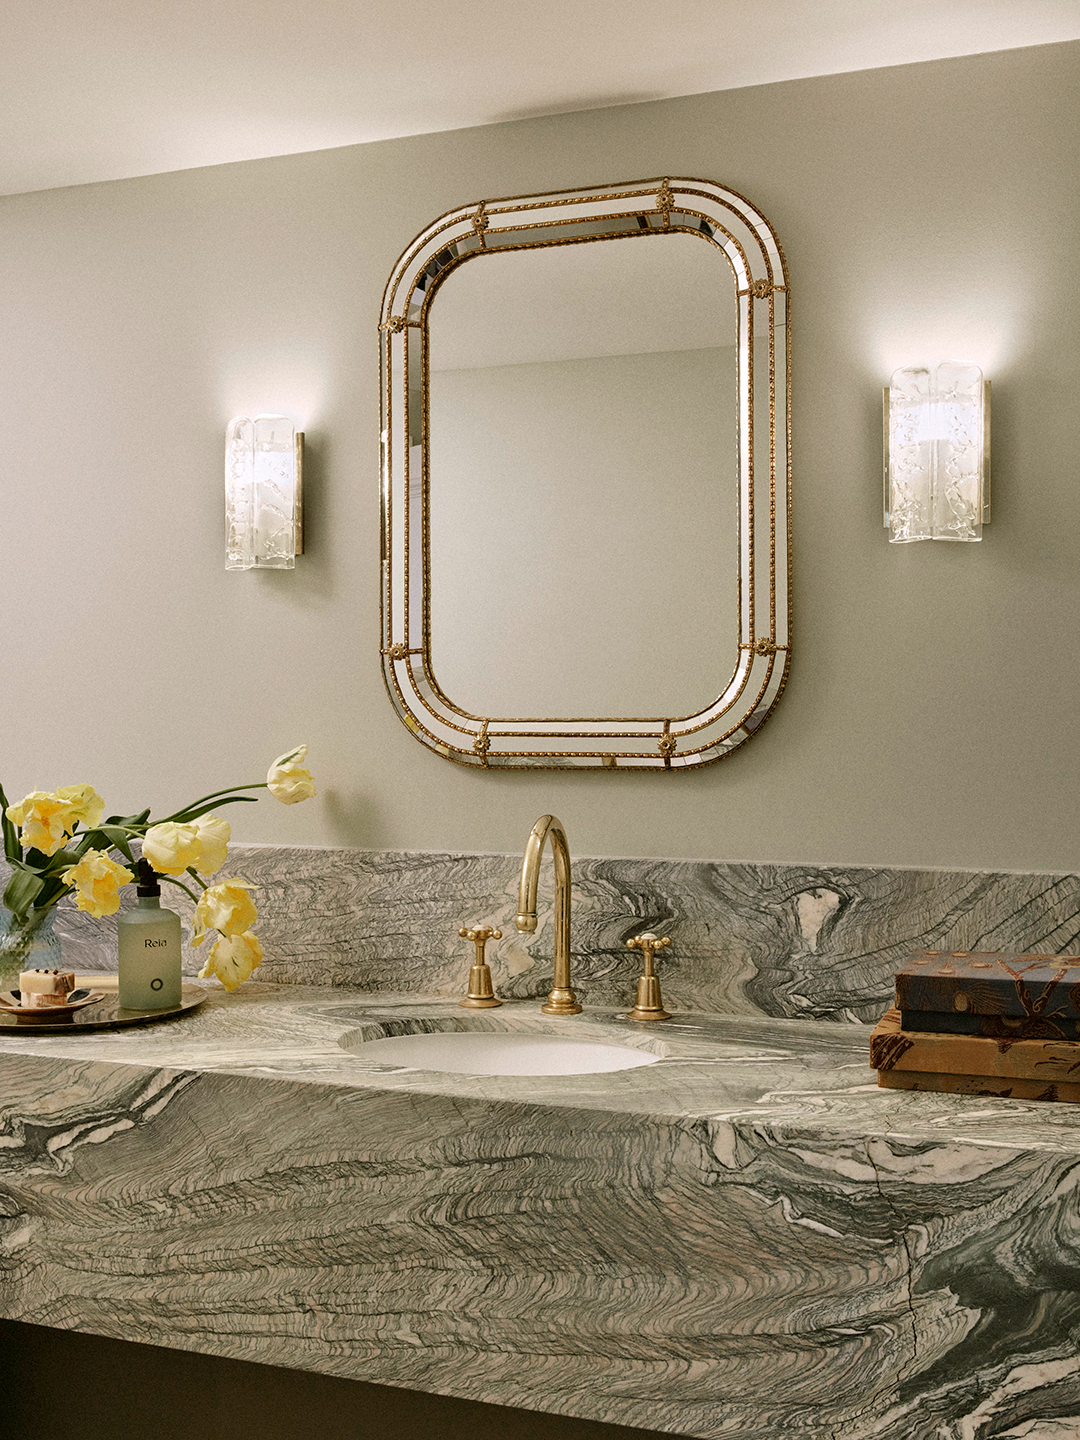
<point x="89" y="806"/>
<point x="287" y="780"/>
<point x="171" y="848"/>
<point x="233" y="959"/>
<point x="225" y="906"/>
<point x="46" y="820"/>
<point x="97" y="881"/>
<point x="214" y="837"/>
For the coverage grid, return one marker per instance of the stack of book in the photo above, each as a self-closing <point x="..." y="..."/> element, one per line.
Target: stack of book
<point x="983" y="1023"/>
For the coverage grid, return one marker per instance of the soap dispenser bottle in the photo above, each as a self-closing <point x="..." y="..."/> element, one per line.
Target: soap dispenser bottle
<point x="149" y="949"/>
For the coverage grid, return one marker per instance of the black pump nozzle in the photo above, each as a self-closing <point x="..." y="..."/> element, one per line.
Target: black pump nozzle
<point x="148" y="881"/>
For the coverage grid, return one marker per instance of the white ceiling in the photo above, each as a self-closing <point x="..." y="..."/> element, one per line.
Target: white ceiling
<point x="105" y="89"/>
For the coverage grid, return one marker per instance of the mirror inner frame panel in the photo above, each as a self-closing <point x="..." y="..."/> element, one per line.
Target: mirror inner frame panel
<point x="762" y="621"/>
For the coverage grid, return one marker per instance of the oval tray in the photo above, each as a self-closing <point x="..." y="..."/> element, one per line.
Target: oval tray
<point x="105" y="1015"/>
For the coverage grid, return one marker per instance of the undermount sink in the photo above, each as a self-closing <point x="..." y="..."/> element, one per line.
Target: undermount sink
<point x="493" y="1053"/>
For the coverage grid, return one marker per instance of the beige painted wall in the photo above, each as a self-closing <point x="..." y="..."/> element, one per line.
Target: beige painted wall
<point x="926" y="211"/>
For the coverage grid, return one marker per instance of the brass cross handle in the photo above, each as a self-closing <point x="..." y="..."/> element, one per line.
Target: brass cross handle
<point x="648" y="944"/>
<point x="649" y="1005"/>
<point x="481" y="993"/>
<point x="480" y="939"/>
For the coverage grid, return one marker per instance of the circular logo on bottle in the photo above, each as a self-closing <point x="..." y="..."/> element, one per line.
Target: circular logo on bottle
<point x="156" y="984"/>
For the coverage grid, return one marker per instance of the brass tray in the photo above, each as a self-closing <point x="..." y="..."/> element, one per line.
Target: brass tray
<point x="105" y="1015"/>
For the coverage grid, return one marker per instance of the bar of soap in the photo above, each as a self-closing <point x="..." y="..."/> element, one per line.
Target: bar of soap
<point x="42" y="988"/>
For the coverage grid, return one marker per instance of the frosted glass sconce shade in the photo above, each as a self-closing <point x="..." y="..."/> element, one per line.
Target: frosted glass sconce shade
<point x="937" y="453"/>
<point x="263" y="493"/>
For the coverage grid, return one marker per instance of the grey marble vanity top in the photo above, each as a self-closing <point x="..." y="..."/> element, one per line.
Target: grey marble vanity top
<point x="747" y="1240"/>
<point x="782" y="1074"/>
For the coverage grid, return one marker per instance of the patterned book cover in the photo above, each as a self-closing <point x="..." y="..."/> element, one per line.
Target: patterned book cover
<point x="907" y="1051"/>
<point x="1036" y="988"/>
<point x="998" y="1027"/>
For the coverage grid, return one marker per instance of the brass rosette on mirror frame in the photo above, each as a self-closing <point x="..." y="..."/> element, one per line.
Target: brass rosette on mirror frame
<point x="753" y="661"/>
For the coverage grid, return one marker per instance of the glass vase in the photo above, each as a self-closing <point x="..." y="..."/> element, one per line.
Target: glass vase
<point x="27" y="944"/>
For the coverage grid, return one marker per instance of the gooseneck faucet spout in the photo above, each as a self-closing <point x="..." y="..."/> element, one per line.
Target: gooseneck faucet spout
<point x="562" y="1000"/>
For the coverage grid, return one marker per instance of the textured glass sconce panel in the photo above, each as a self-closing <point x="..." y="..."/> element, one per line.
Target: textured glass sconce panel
<point x="937" y="453"/>
<point x="263" y="477"/>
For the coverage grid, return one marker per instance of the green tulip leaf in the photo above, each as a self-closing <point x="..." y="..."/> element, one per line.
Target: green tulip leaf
<point x="129" y="822"/>
<point x="60" y="861"/>
<point x="52" y="890"/>
<point x="105" y="837"/>
<point x="12" y="848"/>
<point x="184" y="817"/>
<point x="201" y="807"/>
<point x="22" y="890"/>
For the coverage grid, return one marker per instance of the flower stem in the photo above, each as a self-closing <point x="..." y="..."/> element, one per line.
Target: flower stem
<point x="214" y="795"/>
<point x="180" y="884"/>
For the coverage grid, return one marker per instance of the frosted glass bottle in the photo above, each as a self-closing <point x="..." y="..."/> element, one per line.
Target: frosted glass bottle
<point x="149" y="960"/>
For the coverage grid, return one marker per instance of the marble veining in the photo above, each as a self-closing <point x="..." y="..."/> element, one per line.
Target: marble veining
<point x="747" y="1239"/>
<point x="794" y="941"/>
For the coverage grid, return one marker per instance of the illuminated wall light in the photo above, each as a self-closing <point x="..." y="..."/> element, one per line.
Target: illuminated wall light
<point x="937" y="453"/>
<point x="264" y="526"/>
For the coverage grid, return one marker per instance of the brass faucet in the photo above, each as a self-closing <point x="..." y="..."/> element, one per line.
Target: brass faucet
<point x="480" y="995"/>
<point x="649" y="1005"/>
<point x="561" y="1000"/>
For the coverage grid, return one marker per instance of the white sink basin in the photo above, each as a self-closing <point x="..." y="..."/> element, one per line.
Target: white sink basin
<point x="471" y="1053"/>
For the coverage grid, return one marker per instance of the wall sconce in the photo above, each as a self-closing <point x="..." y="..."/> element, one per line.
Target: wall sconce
<point x="264" y="523"/>
<point x="937" y="453"/>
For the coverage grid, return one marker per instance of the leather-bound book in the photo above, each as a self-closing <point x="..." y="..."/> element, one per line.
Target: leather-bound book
<point x="974" y="1064"/>
<point x="999" y="995"/>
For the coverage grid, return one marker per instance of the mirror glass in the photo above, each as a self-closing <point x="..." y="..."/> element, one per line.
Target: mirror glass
<point x="585" y="478"/>
<point x="582" y="412"/>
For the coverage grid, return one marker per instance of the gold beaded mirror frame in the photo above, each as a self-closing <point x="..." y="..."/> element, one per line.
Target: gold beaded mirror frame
<point x="740" y="658"/>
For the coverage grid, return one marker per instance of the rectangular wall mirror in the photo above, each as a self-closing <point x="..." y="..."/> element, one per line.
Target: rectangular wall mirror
<point x="585" y="544"/>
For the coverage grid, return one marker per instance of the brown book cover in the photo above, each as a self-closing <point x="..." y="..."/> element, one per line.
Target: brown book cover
<point x="1042" y="989"/>
<point x="1008" y="1088"/>
<point x="893" y="1049"/>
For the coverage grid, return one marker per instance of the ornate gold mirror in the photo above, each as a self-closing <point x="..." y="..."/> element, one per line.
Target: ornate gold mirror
<point x="585" y="478"/>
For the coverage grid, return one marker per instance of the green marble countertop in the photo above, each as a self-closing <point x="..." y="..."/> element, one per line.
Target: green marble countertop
<point x="795" y="1075"/>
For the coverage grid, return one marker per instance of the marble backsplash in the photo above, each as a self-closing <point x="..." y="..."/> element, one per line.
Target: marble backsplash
<point x="797" y="941"/>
